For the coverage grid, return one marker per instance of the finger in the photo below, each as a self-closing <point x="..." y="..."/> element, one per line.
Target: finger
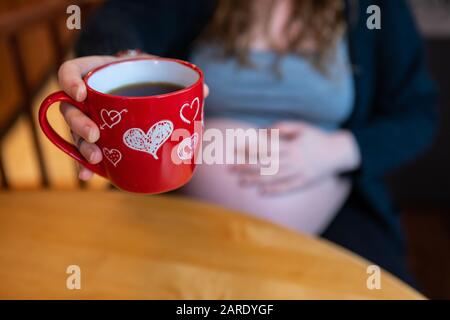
<point x="91" y="152"/>
<point x="71" y="72"/>
<point x="280" y="154"/>
<point x="135" y="55"/>
<point x="243" y="168"/>
<point x="79" y="123"/>
<point x="83" y="172"/>
<point x="281" y="149"/>
<point x="205" y="90"/>
<point x="284" y="186"/>
<point x="249" y="179"/>
<point x="280" y="162"/>
<point x="289" y="129"/>
<point x="254" y="151"/>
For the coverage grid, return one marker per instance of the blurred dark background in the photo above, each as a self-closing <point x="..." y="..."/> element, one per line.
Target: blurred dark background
<point x="422" y="189"/>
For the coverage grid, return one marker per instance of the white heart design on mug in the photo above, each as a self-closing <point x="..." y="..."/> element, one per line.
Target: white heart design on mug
<point x="150" y="142"/>
<point x="113" y="155"/>
<point x="111" y="118"/>
<point x="194" y="104"/>
<point x="187" y="147"/>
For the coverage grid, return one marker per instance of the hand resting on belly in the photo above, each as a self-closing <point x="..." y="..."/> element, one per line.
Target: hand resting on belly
<point x="309" y="209"/>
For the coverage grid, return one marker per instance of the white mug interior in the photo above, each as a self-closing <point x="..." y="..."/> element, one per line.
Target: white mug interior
<point x="132" y="72"/>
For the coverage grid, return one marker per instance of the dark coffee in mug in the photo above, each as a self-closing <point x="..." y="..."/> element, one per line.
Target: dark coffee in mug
<point x="149" y="140"/>
<point x="145" y="89"/>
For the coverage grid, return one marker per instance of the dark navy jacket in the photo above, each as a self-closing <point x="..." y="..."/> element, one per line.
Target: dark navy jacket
<point x="394" y="116"/>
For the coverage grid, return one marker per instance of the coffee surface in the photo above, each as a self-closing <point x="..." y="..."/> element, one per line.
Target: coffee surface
<point x="145" y="89"/>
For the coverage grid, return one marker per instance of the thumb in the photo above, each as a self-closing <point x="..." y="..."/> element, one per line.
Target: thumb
<point x="71" y="72"/>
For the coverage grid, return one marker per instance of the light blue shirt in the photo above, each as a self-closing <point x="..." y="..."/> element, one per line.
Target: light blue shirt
<point x="259" y="95"/>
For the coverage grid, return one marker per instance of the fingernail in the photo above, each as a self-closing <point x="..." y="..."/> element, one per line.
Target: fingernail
<point x="75" y="91"/>
<point x="92" y="134"/>
<point x="82" y="175"/>
<point x="78" y="92"/>
<point x="92" y="156"/>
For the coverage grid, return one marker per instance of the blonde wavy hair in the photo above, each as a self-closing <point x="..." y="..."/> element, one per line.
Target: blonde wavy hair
<point x="322" y="23"/>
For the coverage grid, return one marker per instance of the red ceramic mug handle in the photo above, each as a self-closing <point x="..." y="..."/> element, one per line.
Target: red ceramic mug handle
<point x="56" y="139"/>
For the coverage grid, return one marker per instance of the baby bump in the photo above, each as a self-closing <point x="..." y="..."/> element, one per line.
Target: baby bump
<point x="308" y="210"/>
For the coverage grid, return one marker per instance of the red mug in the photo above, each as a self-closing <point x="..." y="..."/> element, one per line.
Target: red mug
<point x="136" y="132"/>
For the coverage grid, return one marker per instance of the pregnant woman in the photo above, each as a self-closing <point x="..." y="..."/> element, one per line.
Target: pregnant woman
<point x="280" y="85"/>
<point x="351" y="104"/>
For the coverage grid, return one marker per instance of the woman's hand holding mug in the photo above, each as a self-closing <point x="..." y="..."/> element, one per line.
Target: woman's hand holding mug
<point x="134" y="133"/>
<point x="85" y="132"/>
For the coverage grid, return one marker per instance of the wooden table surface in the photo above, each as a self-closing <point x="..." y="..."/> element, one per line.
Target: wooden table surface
<point x="144" y="247"/>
